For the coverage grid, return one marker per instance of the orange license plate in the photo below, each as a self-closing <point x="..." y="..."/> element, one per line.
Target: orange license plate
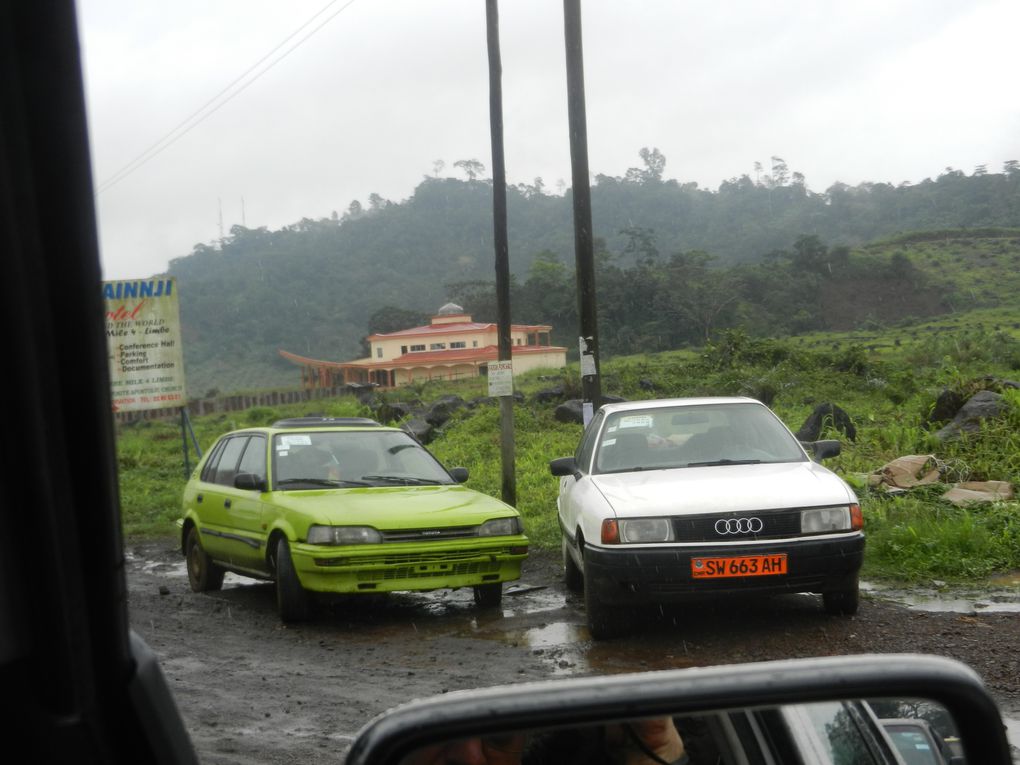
<point x="745" y="565"/>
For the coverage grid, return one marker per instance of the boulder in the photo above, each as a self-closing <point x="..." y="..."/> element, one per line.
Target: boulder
<point x="981" y="406"/>
<point x="811" y="430"/>
<point x="440" y="410"/>
<point x="419" y="429"/>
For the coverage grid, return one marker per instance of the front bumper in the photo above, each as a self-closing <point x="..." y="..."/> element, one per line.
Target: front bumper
<point x="663" y="574"/>
<point x="391" y="567"/>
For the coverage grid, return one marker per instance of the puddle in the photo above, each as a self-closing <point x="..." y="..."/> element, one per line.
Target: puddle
<point x="999" y="598"/>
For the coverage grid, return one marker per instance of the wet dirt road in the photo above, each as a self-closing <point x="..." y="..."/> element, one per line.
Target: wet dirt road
<point x="252" y="690"/>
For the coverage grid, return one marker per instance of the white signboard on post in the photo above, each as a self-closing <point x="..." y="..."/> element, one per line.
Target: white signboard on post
<point x="501" y="378"/>
<point x="143" y="340"/>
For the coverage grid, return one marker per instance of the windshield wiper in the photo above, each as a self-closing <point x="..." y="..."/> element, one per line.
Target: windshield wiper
<point x="404" y="479"/>
<point x="714" y="463"/>
<point x="322" y="482"/>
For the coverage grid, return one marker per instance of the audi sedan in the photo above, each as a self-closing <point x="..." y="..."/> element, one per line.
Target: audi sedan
<point x="343" y="505"/>
<point x="674" y="500"/>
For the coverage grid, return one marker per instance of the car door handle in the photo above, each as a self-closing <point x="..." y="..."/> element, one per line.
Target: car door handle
<point x="226" y="503"/>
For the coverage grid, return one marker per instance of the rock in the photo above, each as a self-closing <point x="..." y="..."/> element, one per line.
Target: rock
<point x="981" y="406"/>
<point x="646" y="384"/>
<point x="549" y="394"/>
<point x="440" y="410"/>
<point x="419" y="428"/>
<point x="946" y="406"/>
<point x="393" y="411"/>
<point x="811" y="430"/>
<point x="570" y="411"/>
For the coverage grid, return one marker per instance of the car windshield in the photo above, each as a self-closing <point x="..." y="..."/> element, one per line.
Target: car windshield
<point x="693" y="436"/>
<point x="312" y="459"/>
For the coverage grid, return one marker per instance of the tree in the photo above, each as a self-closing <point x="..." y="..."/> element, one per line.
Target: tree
<point x="654" y="162"/>
<point x="472" y="168"/>
<point x="437" y="167"/>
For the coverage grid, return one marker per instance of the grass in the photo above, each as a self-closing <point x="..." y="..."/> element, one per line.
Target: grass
<point x="889" y="394"/>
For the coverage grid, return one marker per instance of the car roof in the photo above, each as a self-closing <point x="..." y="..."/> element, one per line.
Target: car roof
<point x="658" y="403"/>
<point x="318" y="425"/>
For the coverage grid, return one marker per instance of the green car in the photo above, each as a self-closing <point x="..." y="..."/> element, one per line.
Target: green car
<point x="343" y="505"/>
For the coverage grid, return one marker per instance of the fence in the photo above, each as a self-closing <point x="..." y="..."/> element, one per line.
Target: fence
<point x="202" y="406"/>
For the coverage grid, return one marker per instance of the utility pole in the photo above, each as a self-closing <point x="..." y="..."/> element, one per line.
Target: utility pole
<point x="584" y="251"/>
<point x="499" y="228"/>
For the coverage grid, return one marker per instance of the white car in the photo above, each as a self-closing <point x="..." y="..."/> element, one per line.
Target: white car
<point x="676" y="499"/>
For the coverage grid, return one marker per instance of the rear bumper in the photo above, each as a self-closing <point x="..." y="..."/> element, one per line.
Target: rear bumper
<point x="387" y="568"/>
<point x="663" y="574"/>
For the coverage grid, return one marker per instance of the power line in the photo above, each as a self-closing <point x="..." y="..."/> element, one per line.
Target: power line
<point x="198" y="117"/>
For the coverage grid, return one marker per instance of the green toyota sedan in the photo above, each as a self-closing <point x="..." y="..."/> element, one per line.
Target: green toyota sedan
<point x="343" y="505"/>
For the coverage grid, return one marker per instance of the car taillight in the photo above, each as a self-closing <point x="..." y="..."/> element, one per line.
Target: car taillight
<point x="610" y="532"/>
<point x="856" y="518"/>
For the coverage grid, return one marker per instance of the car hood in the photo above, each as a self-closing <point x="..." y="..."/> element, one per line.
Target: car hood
<point x="723" y="489"/>
<point x="396" y="507"/>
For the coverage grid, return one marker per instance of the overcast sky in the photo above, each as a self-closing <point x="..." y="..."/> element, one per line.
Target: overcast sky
<point x="885" y="91"/>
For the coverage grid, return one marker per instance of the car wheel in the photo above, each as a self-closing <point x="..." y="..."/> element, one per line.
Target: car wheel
<point x="844" y="601"/>
<point x="604" y="621"/>
<point x="488" y="595"/>
<point x="572" y="575"/>
<point x="203" y="574"/>
<point x="291" y="597"/>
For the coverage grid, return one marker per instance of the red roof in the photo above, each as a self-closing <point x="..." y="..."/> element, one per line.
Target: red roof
<point x="488" y="353"/>
<point x="467" y="326"/>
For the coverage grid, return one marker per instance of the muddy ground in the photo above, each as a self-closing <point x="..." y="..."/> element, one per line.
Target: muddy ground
<point x="254" y="691"/>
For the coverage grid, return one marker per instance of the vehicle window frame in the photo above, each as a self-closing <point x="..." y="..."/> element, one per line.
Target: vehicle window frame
<point x="210" y="467"/>
<point x="253" y="440"/>
<point x="245" y="437"/>
<point x="586" y="447"/>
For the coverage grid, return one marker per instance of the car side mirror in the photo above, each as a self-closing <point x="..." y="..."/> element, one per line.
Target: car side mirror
<point x="459" y="474"/>
<point x="564" y="466"/>
<point x="249" y="482"/>
<point x="798" y="707"/>
<point x="824" y="449"/>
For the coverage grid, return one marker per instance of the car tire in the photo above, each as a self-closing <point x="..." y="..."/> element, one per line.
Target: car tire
<point x="291" y="598"/>
<point x="843" y="601"/>
<point x="605" y="621"/>
<point x="572" y="575"/>
<point x="488" y="595"/>
<point x="203" y="574"/>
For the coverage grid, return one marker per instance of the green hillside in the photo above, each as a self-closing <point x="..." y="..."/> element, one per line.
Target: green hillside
<point x="677" y="263"/>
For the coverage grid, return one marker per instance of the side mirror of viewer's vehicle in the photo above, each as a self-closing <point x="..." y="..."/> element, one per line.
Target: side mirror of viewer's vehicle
<point x="823" y="450"/>
<point x="783" y="712"/>
<point x="563" y="466"/>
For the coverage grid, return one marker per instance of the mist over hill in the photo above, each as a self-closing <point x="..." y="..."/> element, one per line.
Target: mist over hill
<point x="676" y="262"/>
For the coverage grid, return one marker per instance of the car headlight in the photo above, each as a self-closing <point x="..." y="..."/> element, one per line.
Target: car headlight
<point x="822" y="519"/>
<point x="343" y="535"/>
<point x="645" y="530"/>
<point x="500" y="527"/>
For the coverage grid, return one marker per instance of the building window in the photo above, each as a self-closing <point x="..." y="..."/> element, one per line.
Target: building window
<point x="378" y="352"/>
<point x="437" y="347"/>
<point x="474" y="343"/>
<point x="403" y="350"/>
<point x="459" y="344"/>
<point x="416" y="348"/>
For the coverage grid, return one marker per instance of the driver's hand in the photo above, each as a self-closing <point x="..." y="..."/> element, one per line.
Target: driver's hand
<point x="658" y="735"/>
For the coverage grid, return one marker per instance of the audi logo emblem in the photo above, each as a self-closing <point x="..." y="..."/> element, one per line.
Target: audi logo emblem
<point x="725" y="526"/>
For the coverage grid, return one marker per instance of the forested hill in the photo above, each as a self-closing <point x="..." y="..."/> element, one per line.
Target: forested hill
<point x="319" y="286"/>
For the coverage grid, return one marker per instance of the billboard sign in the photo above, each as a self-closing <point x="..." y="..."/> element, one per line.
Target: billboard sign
<point x="143" y="340"/>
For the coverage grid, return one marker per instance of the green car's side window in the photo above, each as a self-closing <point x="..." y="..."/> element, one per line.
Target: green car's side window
<point x="209" y="471"/>
<point x="254" y="458"/>
<point x="229" y="459"/>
